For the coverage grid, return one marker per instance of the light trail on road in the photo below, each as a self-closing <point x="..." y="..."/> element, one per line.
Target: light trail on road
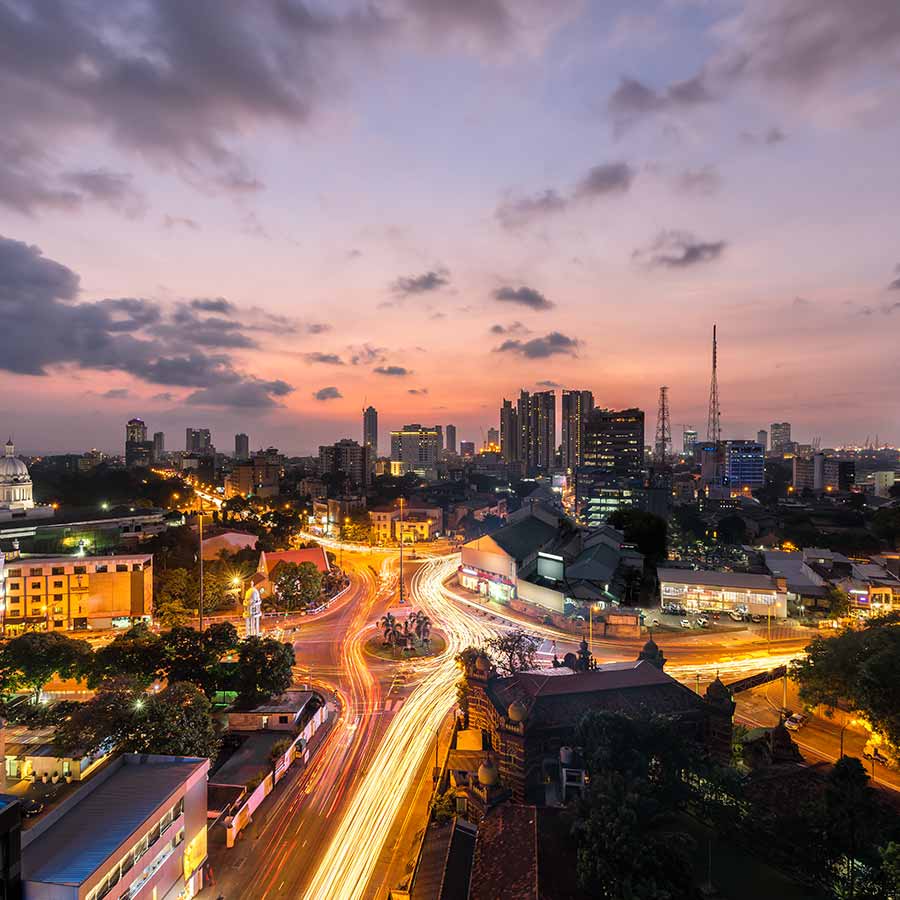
<point x="345" y="869"/>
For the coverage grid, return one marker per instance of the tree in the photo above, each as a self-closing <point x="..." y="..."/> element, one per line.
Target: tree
<point x="177" y="597"/>
<point x="732" y="530"/>
<point x="297" y="585"/>
<point x="264" y="670"/>
<point x="857" y="669"/>
<point x="886" y="525"/>
<point x="391" y="629"/>
<point x="195" y="657"/>
<point x="39" y="655"/>
<point x="648" y="532"/>
<point x="838" y="602"/>
<point x="137" y="653"/>
<point x="514" y="651"/>
<point x="175" y="722"/>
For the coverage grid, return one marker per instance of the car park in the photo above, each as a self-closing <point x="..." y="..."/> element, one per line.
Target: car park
<point x="796" y="721"/>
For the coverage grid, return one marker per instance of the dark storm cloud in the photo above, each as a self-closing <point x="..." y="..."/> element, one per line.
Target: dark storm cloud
<point x="601" y="180"/>
<point x="327" y="359"/>
<point x="523" y="296"/>
<point x="678" y="250"/>
<point x="327" y="393"/>
<point x="433" y="280"/>
<point x="46" y="326"/>
<point x="395" y="371"/>
<point x="541" y="347"/>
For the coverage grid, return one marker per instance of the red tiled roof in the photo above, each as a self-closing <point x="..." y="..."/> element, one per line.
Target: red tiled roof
<point x="310" y="554"/>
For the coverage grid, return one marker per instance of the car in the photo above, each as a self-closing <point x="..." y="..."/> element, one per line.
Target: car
<point x="654" y="623"/>
<point x="755" y="619"/>
<point x="686" y="623"/>
<point x="872" y="751"/>
<point x="32" y="808"/>
<point x="795" y="722"/>
<point x="702" y="622"/>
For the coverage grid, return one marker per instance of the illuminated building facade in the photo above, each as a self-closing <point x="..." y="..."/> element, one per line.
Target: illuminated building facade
<point x="416" y="447"/>
<point x="761" y="595"/>
<point x="745" y="464"/>
<point x="780" y="436"/>
<point x="576" y="407"/>
<point x="614" y="442"/>
<point x="536" y="421"/>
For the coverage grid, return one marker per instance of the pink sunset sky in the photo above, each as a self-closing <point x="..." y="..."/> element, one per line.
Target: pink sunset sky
<point x="262" y="217"/>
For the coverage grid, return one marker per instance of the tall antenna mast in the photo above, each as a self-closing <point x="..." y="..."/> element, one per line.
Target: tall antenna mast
<point x="663" y="447"/>
<point x="713" y="427"/>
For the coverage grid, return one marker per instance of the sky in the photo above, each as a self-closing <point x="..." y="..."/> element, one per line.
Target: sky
<point x="262" y="217"/>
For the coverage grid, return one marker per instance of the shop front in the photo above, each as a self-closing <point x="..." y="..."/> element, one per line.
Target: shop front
<point x="488" y="584"/>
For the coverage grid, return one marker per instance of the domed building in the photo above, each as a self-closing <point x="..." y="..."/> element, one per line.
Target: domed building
<point x="16" y="490"/>
<point x="15" y="482"/>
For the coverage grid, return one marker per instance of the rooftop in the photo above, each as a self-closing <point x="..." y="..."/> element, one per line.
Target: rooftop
<point x="85" y="835"/>
<point x="288" y="702"/>
<point x="717" y="579"/>
<point x="314" y="555"/>
<point x="524" y="537"/>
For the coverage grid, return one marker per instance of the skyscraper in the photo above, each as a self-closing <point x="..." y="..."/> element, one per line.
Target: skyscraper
<point x="614" y="442"/>
<point x="159" y="446"/>
<point x="370" y="430"/>
<point x="762" y="437"/>
<point x="439" y="429"/>
<point x="138" y="450"/>
<point x="779" y="436"/>
<point x="536" y="415"/>
<point x="241" y="446"/>
<point x="135" y="430"/>
<point x="198" y="440"/>
<point x="451" y="438"/>
<point x="417" y="447"/>
<point x="509" y="432"/>
<point x="576" y="406"/>
<point x="745" y="464"/>
<point x="689" y="441"/>
<point x="349" y="459"/>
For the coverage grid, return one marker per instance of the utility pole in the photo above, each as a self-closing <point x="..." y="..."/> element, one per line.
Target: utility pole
<point x="663" y="445"/>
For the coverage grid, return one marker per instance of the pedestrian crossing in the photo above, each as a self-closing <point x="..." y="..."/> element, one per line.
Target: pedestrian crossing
<point x="380" y="707"/>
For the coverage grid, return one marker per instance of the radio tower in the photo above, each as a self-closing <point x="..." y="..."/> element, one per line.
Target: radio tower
<point x="663" y="447"/>
<point x="713" y="429"/>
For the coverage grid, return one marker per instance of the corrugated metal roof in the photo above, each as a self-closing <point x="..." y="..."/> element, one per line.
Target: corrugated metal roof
<point x="82" y="841"/>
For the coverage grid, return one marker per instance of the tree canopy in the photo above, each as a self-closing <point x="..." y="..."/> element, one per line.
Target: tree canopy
<point x="264" y="670"/>
<point x="297" y="586"/>
<point x="514" y="651"/>
<point x="648" y="532"/>
<point x="33" y="658"/>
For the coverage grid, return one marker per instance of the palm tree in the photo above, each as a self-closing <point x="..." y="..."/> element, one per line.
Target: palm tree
<point x="423" y="627"/>
<point x="388" y="626"/>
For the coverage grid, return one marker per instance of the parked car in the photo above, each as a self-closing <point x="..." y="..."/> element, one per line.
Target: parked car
<point x="795" y="722"/>
<point x="755" y="619"/>
<point x="702" y="622"/>
<point x="872" y="751"/>
<point x="736" y="616"/>
<point x="686" y="623"/>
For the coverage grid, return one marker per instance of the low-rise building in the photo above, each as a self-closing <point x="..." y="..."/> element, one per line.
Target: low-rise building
<point x="137" y="828"/>
<point x="282" y="713"/>
<point x="267" y="570"/>
<point x="258" y="477"/>
<point x="74" y="593"/>
<point x="760" y="595"/>
<point x="31" y="755"/>
<point x="872" y="588"/>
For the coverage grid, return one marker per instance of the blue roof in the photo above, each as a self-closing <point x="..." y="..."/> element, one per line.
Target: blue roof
<point x="85" y="837"/>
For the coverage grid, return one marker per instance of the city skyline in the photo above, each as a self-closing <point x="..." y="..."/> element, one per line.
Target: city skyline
<point x="294" y="240"/>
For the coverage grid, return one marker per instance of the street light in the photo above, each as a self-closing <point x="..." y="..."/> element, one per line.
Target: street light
<point x="343" y="523"/>
<point x="591" y="609"/>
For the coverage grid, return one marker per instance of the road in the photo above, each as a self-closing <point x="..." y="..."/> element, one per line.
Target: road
<point x="342" y="828"/>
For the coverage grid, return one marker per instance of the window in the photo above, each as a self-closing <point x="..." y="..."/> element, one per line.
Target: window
<point x="57" y="598"/>
<point x="36" y="585"/>
<point x="57" y="584"/>
<point x="14" y="573"/>
<point x="36" y="572"/>
<point x="283" y="720"/>
<point x="80" y="570"/>
<point x="121" y="567"/>
<point x="136" y="567"/>
<point x="102" y="568"/>
<point x="57" y="570"/>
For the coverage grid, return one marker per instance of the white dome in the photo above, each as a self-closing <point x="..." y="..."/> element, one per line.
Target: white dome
<point x="12" y="469"/>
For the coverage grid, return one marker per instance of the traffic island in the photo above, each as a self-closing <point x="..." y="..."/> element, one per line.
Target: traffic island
<point x="376" y="646"/>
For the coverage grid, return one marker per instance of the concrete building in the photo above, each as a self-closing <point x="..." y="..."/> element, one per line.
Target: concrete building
<point x="536" y="420"/>
<point x="279" y="714"/>
<point x="688" y="442"/>
<point x="451" y="439"/>
<point x="417" y="447"/>
<point x="760" y="595"/>
<point x="493" y="440"/>
<point x="883" y="481"/>
<point x="419" y="522"/>
<point x="370" y="430"/>
<point x="762" y="437"/>
<point x="779" y="436"/>
<point x="199" y="441"/>
<point x="576" y="407"/>
<point x="614" y="442"/>
<point x="241" y="446"/>
<point x="509" y="432"/>
<point x="138" y="450"/>
<point x="817" y="472"/>
<point x="467" y="449"/>
<point x="136" y="829"/>
<point x="75" y="593"/>
<point x="349" y="459"/>
<point x="159" y="446"/>
<point x="256" y="477"/>
<point x="745" y="464"/>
